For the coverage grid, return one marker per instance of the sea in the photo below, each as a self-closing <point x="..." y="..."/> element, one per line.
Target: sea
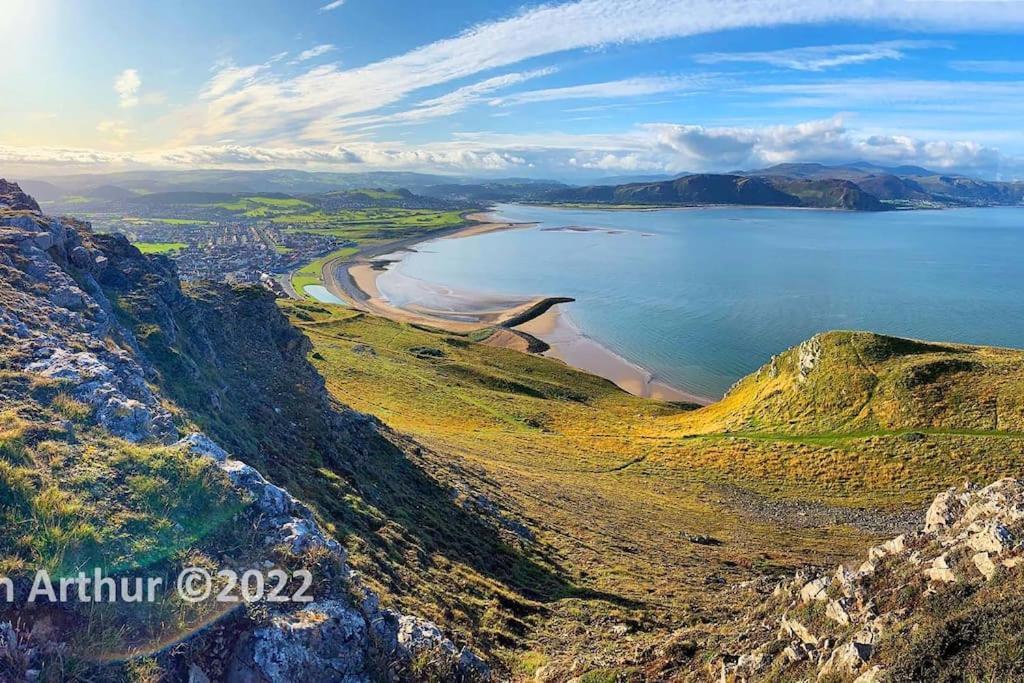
<point x="700" y="297"/>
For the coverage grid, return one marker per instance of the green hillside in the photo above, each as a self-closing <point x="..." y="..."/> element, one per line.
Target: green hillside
<point x="859" y="382"/>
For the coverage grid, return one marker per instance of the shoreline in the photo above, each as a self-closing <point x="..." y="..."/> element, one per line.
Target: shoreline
<point x="353" y="279"/>
<point x="534" y="325"/>
<point x="569" y="344"/>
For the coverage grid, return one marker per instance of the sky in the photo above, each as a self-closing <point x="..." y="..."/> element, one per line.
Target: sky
<point x="567" y="90"/>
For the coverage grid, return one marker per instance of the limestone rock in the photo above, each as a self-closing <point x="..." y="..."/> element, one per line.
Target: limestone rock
<point x="323" y="642"/>
<point x="994" y="538"/>
<point x="943" y="510"/>
<point x="815" y="590"/>
<point x="940" y="571"/>
<point x="808" y="354"/>
<point x="985" y="565"/>
<point x="793" y="628"/>
<point x="13" y="198"/>
<point x="837" y="612"/>
<point x="847" y="659"/>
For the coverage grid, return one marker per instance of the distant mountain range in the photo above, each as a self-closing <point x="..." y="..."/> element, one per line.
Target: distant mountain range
<point x="858" y="186"/>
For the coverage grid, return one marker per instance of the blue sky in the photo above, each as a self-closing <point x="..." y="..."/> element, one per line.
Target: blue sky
<point x="567" y="89"/>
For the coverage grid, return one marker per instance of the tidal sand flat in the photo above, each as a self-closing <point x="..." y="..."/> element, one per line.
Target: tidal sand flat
<point x="571" y="346"/>
<point x="700" y="297"/>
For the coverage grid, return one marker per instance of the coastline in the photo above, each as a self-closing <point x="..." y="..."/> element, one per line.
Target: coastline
<point x="569" y="344"/>
<point x="353" y="279"/>
<point x="534" y="325"/>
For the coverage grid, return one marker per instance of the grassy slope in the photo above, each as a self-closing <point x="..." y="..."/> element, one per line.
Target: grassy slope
<point x="72" y="497"/>
<point x="868" y="383"/>
<point x="611" y="483"/>
<point x="311" y="273"/>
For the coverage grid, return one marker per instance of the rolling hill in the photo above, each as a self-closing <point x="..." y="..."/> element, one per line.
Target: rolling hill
<point x="712" y="189"/>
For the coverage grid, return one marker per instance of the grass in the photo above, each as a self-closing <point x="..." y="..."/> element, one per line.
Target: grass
<point x="311" y="273"/>
<point x="159" y="247"/>
<point x="364" y="225"/>
<point x="264" y="207"/>
<point x="74" y="498"/>
<point x="576" y="459"/>
<point x="167" y="221"/>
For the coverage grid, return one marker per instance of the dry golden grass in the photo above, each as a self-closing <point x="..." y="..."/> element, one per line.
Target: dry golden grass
<point x="612" y="485"/>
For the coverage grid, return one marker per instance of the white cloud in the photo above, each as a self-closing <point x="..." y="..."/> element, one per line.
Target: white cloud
<point x="313" y="53"/>
<point x="127" y="85"/>
<point x="452" y="102"/>
<point x="228" y="77"/>
<point x="332" y="5"/>
<point x="659" y="147"/>
<point x="821" y="57"/>
<point x="321" y="97"/>
<point x="628" y="87"/>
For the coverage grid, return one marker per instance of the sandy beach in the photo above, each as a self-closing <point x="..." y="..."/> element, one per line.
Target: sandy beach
<point x="523" y="324"/>
<point x="354" y="280"/>
<point x="571" y="346"/>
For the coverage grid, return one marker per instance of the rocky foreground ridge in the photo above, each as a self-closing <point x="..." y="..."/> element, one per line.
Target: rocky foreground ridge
<point x="60" y="329"/>
<point x="910" y="595"/>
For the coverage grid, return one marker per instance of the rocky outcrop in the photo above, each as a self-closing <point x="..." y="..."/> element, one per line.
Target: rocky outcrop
<point x="837" y="624"/>
<point x="14" y="199"/>
<point x="57" y="324"/>
<point x="333" y="639"/>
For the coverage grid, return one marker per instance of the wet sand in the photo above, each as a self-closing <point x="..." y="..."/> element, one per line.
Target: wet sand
<point x="574" y="348"/>
<point x="471" y="313"/>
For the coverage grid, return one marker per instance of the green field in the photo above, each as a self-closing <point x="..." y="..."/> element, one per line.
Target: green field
<point x="371" y="225"/>
<point x="310" y="274"/>
<point x="265" y="207"/>
<point x="166" y="221"/>
<point x="364" y="227"/>
<point x="159" y="247"/>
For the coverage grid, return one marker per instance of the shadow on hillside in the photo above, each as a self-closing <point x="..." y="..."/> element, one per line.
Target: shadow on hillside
<point x="431" y="522"/>
<point x="239" y="369"/>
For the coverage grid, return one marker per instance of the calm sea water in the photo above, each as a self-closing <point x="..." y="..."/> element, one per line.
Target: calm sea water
<point x="702" y="297"/>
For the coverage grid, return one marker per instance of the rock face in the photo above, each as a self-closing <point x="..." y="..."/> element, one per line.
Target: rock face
<point x="56" y="322"/>
<point x="971" y="536"/>
<point x="13" y="198"/>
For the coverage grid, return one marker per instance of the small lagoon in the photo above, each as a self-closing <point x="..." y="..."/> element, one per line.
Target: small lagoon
<point x="322" y="294"/>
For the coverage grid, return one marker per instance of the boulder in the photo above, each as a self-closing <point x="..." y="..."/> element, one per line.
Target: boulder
<point x="836" y="611"/>
<point x="791" y="628"/>
<point x="993" y="538"/>
<point x="985" y="565"/>
<point x="946" y="507"/>
<point x="324" y="642"/>
<point x="81" y="258"/>
<point x="940" y="571"/>
<point x="815" y="590"/>
<point x="846" y="660"/>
